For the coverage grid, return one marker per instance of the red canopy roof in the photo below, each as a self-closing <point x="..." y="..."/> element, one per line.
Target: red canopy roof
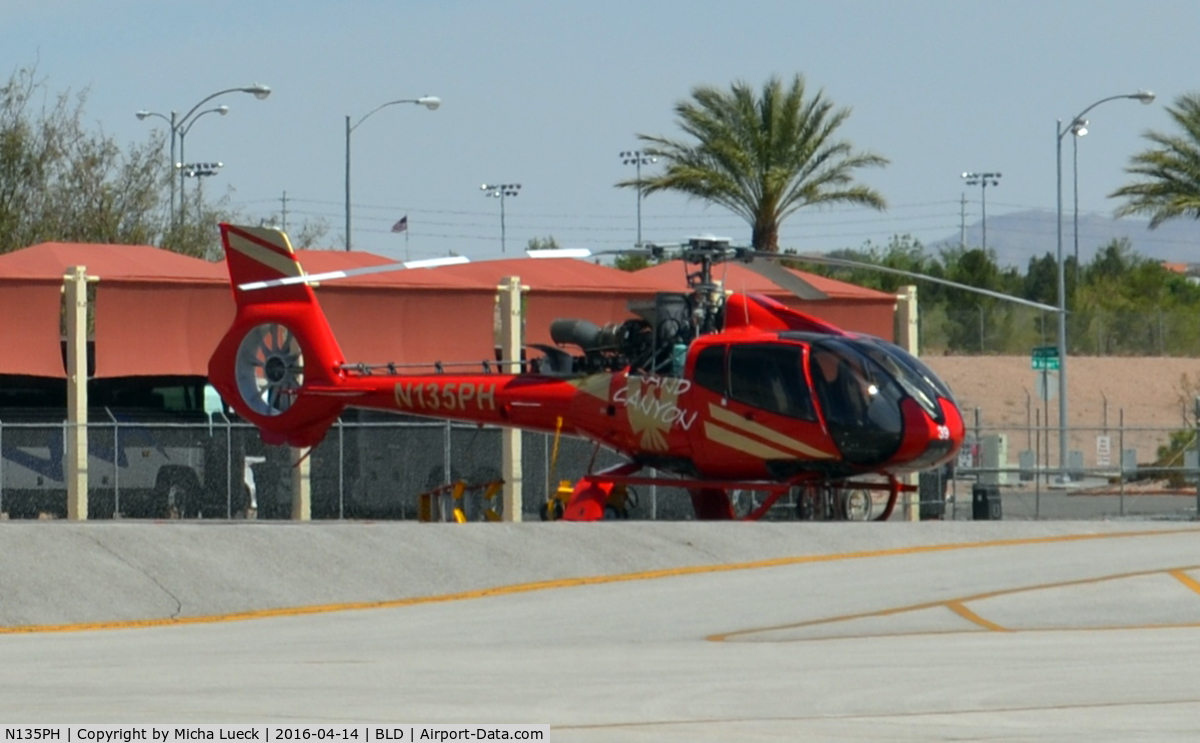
<point x="141" y="327"/>
<point x="149" y="322"/>
<point x="123" y="262"/>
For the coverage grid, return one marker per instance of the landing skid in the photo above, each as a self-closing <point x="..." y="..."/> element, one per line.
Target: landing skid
<point x="605" y="495"/>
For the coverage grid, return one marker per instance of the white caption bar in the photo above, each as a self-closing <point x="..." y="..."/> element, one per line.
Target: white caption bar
<point x="272" y="733"/>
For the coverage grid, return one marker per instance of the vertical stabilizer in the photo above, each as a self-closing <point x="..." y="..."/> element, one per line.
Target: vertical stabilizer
<point x="279" y="343"/>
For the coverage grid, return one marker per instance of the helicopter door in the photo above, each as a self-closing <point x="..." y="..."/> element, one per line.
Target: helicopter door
<point x="766" y="411"/>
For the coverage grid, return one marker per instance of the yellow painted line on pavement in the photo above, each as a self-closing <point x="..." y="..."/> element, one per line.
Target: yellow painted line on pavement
<point x="1186" y="580"/>
<point x="908" y="713"/>
<point x="958" y="608"/>
<point x="594" y="580"/>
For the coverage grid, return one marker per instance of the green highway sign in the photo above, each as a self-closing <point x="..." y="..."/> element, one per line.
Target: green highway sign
<point x="1045" y="358"/>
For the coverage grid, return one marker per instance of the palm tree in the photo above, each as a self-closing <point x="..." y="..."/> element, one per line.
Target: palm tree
<point x="1171" y="169"/>
<point x="760" y="157"/>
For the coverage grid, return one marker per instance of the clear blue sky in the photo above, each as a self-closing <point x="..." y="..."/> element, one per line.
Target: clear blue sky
<point x="546" y="93"/>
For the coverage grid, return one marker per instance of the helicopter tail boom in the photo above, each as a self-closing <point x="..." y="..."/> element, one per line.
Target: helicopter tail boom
<point x="279" y="344"/>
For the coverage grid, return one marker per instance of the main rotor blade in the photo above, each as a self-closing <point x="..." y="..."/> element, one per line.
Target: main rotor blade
<point x="583" y="252"/>
<point x="822" y="260"/>
<point x="559" y="253"/>
<point x="776" y="273"/>
<point x="313" y="278"/>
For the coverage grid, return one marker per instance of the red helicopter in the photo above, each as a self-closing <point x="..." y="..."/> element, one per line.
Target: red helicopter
<point x="724" y="391"/>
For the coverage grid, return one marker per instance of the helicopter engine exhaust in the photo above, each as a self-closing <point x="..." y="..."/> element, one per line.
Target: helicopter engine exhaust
<point x="587" y="335"/>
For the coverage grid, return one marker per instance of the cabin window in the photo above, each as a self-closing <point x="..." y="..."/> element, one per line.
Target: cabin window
<point x="710" y="369"/>
<point x="770" y="377"/>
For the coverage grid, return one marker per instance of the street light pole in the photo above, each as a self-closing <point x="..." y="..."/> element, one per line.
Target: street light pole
<point x="638" y="158"/>
<point x="142" y="116"/>
<point x="428" y="101"/>
<point x="1147" y="98"/>
<point x="177" y="124"/>
<point x="983" y="180"/>
<point x="499" y="191"/>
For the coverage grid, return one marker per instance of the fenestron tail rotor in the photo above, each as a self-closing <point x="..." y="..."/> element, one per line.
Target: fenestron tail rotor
<point x="269" y="368"/>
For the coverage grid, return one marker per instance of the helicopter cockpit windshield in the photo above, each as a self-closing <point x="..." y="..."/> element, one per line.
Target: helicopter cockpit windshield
<point x="860" y="398"/>
<point x="917" y="380"/>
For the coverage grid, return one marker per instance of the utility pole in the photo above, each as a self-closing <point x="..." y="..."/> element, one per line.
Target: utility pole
<point x="284" y="210"/>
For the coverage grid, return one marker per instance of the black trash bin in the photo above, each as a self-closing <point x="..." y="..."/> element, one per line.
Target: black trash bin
<point x="931" y="487"/>
<point x="985" y="502"/>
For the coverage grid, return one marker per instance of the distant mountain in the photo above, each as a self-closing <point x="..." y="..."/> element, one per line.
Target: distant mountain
<point x="1018" y="236"/>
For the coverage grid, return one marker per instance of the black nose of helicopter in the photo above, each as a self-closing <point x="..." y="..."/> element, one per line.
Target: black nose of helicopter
<point x="882" y="406"/>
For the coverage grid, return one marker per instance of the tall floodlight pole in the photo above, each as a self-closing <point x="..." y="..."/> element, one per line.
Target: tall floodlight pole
<point x="430" y="102"/>
<point x="500" y="191"/>
<point x="178" y="123"/>
<point x="1147" y="98"/>
<point x="182" y="165"/>
<point x="638" y="158"/>
<point x="983" y="180"/>
<point x="200" y="170"/>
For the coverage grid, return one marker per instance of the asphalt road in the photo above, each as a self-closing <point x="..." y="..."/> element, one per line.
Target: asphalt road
<point x="859" y="632"/>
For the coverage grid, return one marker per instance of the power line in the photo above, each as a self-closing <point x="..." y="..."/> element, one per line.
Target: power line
<point x="574" y="215"/>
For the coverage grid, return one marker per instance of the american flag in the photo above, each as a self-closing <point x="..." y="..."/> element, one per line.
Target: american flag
<point x="402" y="225"/>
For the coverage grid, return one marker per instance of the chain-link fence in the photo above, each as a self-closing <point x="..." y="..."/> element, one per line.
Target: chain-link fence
<point x="363" y="469"/>
<point x="1017" y="470"/>
<point x="377" y="467"/>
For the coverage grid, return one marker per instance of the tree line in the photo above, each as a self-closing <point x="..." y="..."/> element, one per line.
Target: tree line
<point x="61" y="181"/>
<point x="1118" y="303"/>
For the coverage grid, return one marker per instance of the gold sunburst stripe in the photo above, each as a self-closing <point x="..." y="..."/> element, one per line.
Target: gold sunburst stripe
<point x="265" y="253"/>
<point x="734" y="420"/>
<point x="595" y="385"/>
<point x="744" y="444"/>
